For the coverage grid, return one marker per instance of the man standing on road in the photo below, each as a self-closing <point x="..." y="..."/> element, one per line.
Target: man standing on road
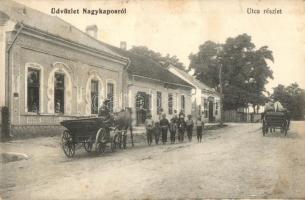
<point x="189" y="127"/>
<point x="173" y="129"/>
<point x="181" y="127"/>
<point x="164" y="123"/>
<point x="199" y="126"/>
<point x="157" y="131"/>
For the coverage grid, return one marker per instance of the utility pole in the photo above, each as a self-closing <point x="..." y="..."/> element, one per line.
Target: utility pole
<point x="221" y="94"/>
<point x="219" y="49"/>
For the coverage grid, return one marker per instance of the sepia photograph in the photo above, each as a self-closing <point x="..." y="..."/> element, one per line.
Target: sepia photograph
<point x="152" y="99"/>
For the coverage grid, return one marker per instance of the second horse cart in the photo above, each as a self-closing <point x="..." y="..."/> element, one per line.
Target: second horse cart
<point x="275" y="120"/>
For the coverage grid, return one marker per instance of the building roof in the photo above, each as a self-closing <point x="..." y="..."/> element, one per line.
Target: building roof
<point x="53" y="25"/>
<point x="192" y="80"/>
<point x="139" y="65"/>
<point x="144" y="66"/>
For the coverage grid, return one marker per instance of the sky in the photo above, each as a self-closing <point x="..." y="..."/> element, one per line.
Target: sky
<point x="178" y="27"/>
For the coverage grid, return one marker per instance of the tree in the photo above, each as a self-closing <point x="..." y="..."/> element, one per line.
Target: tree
<point x="245" y="70"/>
<point x="174" y="60"/>
<point x="292" y="97"/>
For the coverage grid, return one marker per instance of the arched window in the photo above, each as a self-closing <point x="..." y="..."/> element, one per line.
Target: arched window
<point x="60" y="89"/>
<point x="111" y="95"/>
<point x="94" y="93"/>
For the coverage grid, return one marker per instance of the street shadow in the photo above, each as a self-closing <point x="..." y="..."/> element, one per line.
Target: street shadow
<point x="279" y="134"/>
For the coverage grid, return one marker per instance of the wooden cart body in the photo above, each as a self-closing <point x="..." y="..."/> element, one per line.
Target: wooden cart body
<point x="88" y="132"/>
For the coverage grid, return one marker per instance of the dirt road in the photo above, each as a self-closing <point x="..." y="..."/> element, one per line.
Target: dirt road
<point x="233" y="162"/>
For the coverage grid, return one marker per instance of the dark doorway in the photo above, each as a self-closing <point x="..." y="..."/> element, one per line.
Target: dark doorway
<point x="143" y="101"/>
<point x="211" y="112"/>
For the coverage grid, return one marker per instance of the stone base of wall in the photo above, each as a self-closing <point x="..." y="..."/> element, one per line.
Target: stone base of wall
<point x="30" y="131"/>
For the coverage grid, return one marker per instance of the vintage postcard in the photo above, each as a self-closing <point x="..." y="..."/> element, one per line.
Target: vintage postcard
<point x="165" y="99"/>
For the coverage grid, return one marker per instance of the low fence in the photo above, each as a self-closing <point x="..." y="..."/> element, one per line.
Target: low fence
<point x="235" y="116"/>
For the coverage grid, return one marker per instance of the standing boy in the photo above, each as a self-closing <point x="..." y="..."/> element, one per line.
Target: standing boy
<point x="157" y="131"/>
<point x="189" y="127"/>
<point x="200" y="126"/>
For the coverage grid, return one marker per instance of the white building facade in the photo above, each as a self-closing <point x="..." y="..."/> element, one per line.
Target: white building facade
<point x="205" y="100"/>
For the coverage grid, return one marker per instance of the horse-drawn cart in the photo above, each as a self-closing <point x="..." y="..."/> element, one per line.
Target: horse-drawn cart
<point x="87" y="132"/>
<point x="275" y="120"/>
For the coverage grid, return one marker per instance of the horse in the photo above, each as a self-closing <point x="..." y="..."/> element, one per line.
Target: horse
<point x="123" y="122"/>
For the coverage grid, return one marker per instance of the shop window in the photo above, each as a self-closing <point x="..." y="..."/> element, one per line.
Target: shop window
<point x="170" y="104"/>
<point x="94" y="97"/>
<point x="110" y="95"/>
<point x="59" y="93"/>
<point x="33" y="86"/>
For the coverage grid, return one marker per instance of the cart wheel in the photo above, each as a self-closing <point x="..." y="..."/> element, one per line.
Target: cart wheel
<point x="68" y="145"/>
<point x="286" y="129"/>
<point x="101" y="147"/>
<point x="88" y="146"/>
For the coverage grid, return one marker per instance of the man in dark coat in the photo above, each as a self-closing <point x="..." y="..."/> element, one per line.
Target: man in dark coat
<point x="164" y="123"/>
<point x="173" y="129"/>
<point x="181" y="127"/>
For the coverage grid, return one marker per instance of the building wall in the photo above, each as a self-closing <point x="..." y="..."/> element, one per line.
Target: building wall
<point x="79" y="69"/>
<point x="197" y="98"/>
<point x="151" y="87"/>
<point x="5" y="26"/>
<point x="216" y="114"/>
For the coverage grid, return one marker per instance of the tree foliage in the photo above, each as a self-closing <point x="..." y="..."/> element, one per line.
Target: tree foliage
<point x="143" y="50"/>
<point x="292" y="97"/>
<point x="245" y="70"/>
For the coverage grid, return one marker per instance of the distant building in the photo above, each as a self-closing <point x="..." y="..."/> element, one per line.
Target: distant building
<point x="205" y="100"/>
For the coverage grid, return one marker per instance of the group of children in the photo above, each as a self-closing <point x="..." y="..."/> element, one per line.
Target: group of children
<point x="177" y="124"/>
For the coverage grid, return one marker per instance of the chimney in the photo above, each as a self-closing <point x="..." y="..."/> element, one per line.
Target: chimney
<point x="92" y="30"/>
<point x="123" y="45"/>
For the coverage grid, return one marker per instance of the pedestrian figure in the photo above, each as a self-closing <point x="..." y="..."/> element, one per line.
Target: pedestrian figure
<point x="149" y="124"/>
<point x="157" y="131"/>
<point x="173" y="129"/>
<point x="164" y="123"/>
<point x="189" y="127"/>
<point x="181" y="127"/>
<point x="199" y="126"/>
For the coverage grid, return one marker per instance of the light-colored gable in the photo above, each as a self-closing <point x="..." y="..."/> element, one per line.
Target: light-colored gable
<point x="191" y="80"/>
